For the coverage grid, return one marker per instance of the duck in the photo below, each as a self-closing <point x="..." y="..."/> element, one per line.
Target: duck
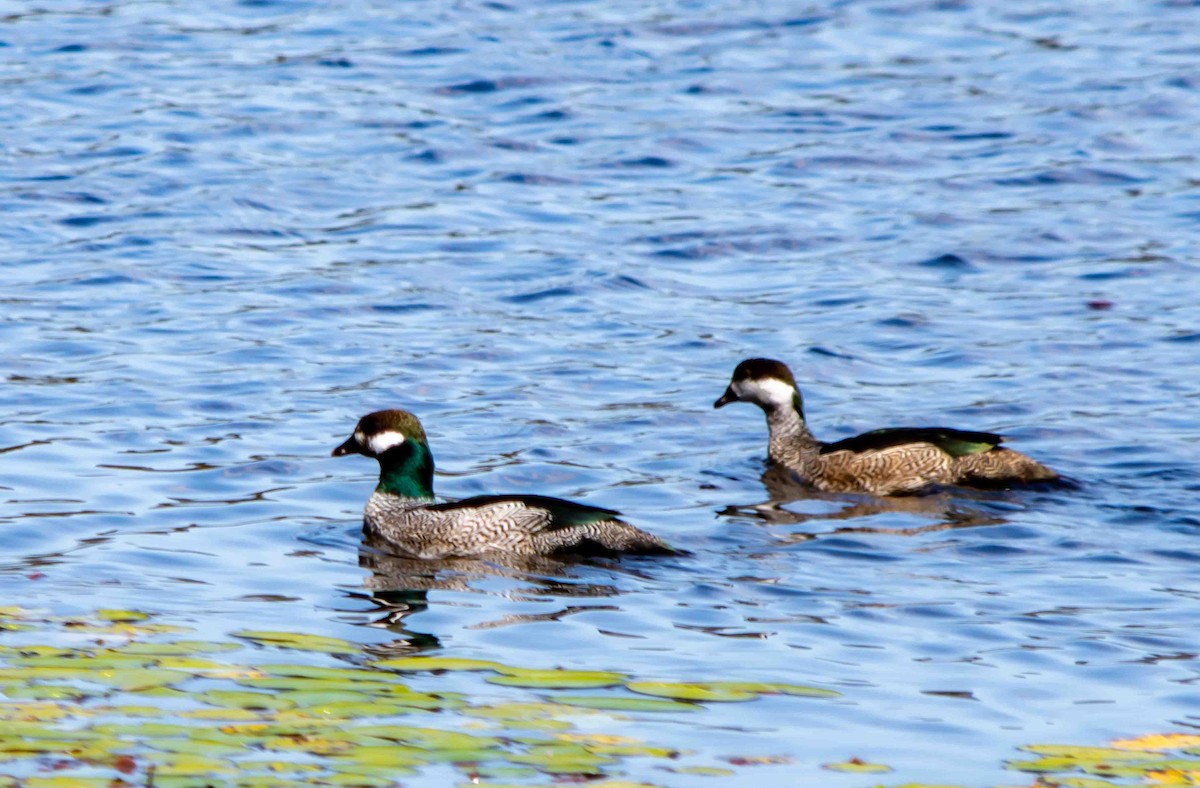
<point x="895" y="461"/>
<point x="403" y="515"/>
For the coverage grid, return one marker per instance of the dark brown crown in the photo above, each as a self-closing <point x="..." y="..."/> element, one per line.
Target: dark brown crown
<point x="763" y="369"/>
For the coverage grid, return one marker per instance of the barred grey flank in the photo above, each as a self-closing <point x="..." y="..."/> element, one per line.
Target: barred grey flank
<point x="508" y="527"/>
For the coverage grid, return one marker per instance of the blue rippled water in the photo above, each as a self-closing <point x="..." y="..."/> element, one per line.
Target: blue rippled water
<point x="551" y="229"/>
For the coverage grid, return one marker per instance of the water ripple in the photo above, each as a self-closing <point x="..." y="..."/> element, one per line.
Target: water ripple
<point x="552" y="235"/>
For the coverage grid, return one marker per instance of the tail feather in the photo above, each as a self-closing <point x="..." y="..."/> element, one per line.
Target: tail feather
<point x="1002" y="465"/>
<point x="617" y="536"/>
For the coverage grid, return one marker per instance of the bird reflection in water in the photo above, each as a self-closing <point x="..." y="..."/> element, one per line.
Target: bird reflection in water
<point x="399" y="587"/>
<point x="948" y="511"/>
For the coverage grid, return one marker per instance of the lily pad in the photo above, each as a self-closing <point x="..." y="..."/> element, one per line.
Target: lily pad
<point x="47" y="692"/>
<point x="321" y="673"/>
<point x="855" y="766"/>
<point x="44" y="745"/>
<point x="427" y="738"/>
<point x="360" y="777"/>
<point x="30" y="729"/>
<point x="618" y="703"/>
<point x="245" y="700"/>
<point x="502" y="771"/>
<point x="634" y="750"/>
<point x="298" y="641"/>
<point x="205" y="747"/>
<point x="360" y="774"/>
<point x="230" y="715"/>
<point x="124" y="629"/>
<point x="525" y="716"/>
<point x="108" y="614"/>
<point x="136" y="680"/>
<point x="710" y="691"/>
<point x="39" y="673"/>
<point x="178" y="648"/>
<point x="80" y="661"/>
<point x="463" y="756"/>
<point x="63" y="781"/>
<point x="557" y="679"/>
<point x="350" y="710"/>
<point x="302" y="684"/>
<point x="1091" y="753"/>
<point x="280" y="767"/>
<point x="389" y="756"/>
<point x="1148" y="770"/>
<point x="1056" y="763"/>
<point x="143" y="730"/>
<point x="128" y="710"/>
<point x="271" y="780"/>
<point x="309" y="699"/>
<point x="39" y="712"/>
<point x="205" y="667"/>
<point x="564" y="758"/>
<point x="193" y="766"/>
<point x="437" y="663"/>
<point x="314" y="744"/>
<point x="514" y="711"/>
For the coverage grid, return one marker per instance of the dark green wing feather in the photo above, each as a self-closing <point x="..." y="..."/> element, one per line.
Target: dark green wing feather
<point x="563" y="514"/>
<point x="956" y="443"/>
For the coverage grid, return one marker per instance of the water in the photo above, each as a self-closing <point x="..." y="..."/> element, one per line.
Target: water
<point x="552" y="230"/>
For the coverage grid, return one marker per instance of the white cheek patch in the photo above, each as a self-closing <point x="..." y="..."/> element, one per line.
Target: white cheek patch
<point x="768" y="391"/>
<point x="383" y="441"/>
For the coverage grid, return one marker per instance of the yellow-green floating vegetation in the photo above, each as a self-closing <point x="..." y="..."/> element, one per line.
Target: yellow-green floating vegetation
<point x="1150" y="761"/>
<point x="122" y="699"/>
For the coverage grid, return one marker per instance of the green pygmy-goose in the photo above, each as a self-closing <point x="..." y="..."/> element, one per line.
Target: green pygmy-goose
<point x="895" y="461"/>
<point x="402" y="512"/>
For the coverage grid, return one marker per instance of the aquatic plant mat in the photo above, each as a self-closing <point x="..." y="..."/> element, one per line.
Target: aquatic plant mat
<point x="119" y="699"/>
